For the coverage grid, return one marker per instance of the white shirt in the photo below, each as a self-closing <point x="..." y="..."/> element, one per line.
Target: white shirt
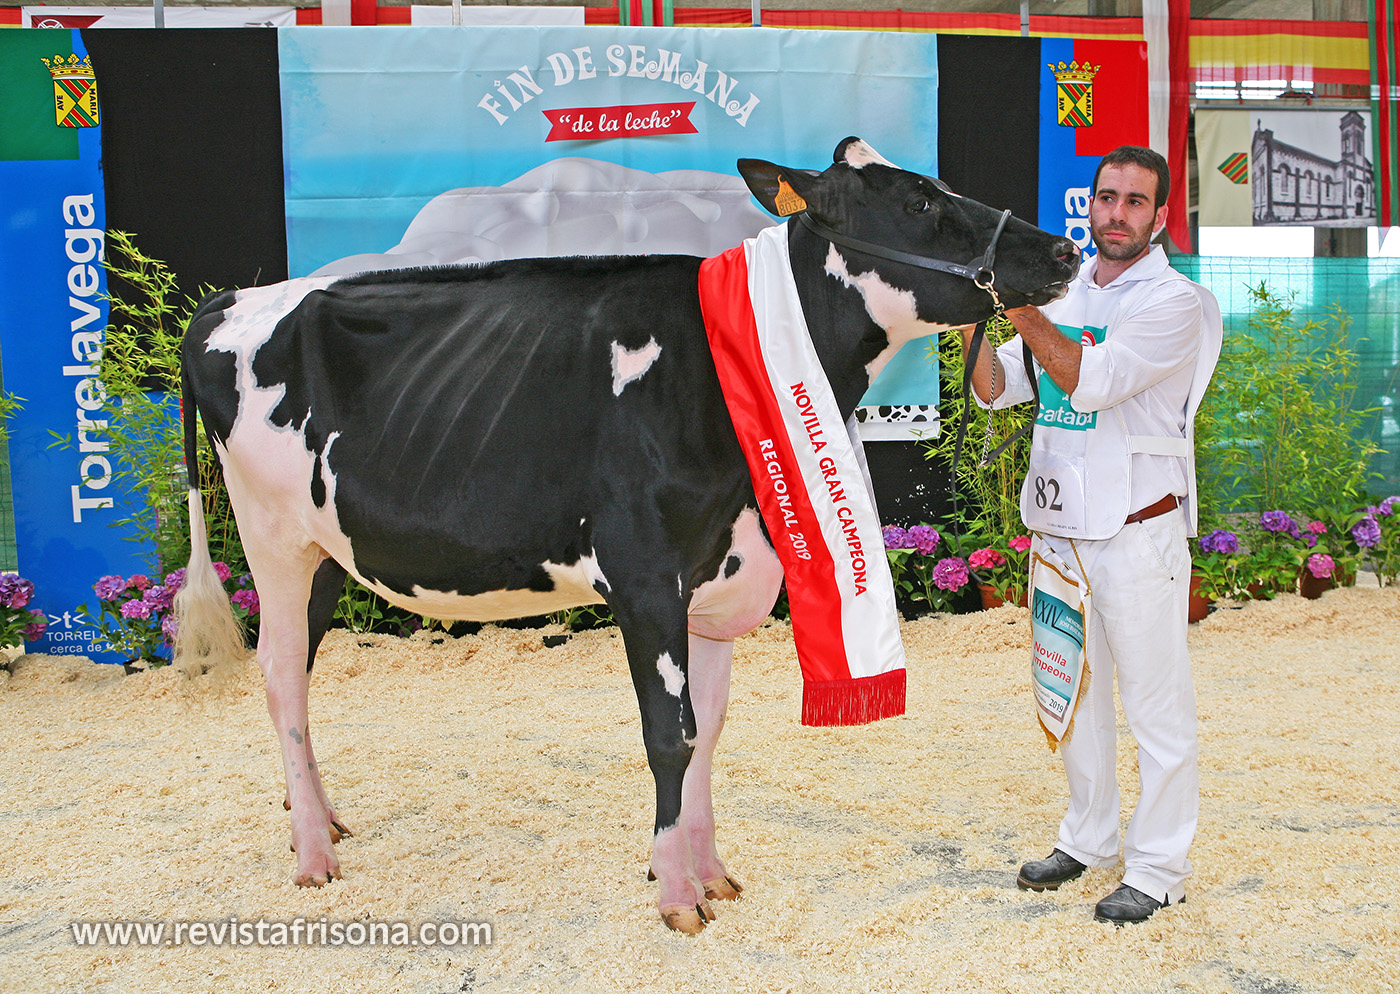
<point x="1152" y="337"/>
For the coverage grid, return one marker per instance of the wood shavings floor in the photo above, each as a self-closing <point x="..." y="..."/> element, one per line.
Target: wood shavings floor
<point x="491" y="779"/>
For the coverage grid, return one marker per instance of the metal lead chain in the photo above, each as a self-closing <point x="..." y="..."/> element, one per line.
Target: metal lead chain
<point x="992" y="396"/>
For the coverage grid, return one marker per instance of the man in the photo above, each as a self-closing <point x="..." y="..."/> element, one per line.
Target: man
<point x="1121" y="362"/>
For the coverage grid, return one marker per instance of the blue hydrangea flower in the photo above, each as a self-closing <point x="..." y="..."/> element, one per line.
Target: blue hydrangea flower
<point x="895" y="537"/>
<point x="1367" y="532"/>
<point x="1278" y="521"/>
<point x="1221" y="540"/>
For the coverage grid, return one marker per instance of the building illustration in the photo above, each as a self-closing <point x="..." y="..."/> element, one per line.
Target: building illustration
<point x="1297" y="186"/>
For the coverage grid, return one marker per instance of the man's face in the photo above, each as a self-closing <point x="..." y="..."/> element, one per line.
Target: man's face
<point x="1122" y="217"/>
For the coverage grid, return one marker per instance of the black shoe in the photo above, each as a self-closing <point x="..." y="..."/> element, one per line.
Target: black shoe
<point x="1048" y="873"/>
<point x="1127" y="904"/>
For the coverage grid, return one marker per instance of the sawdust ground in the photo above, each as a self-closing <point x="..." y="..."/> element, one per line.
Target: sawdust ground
<point x="491" y="779"/>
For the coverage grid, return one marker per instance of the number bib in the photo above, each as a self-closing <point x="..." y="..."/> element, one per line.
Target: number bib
<point x="1052" y="499"/>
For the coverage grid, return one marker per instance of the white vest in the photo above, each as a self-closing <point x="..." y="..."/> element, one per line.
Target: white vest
<point x="1078" y="484"/>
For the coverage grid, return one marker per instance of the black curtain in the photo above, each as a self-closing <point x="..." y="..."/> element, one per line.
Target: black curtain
<point x="192" y="150"/>
<point x="989" y="120"/>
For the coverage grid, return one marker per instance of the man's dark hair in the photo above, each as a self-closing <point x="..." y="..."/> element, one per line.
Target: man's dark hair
<point x="1136" y="155"/>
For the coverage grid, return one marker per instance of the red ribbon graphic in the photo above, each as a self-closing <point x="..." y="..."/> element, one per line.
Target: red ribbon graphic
<point x="636" y="121"/>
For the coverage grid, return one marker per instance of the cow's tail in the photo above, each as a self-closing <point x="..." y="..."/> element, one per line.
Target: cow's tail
<point x="208" y="634"/>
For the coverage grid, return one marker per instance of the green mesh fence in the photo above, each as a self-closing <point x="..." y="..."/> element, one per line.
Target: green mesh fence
<point x="1367" y="291"/>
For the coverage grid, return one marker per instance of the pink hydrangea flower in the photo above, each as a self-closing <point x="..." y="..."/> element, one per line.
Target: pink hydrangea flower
<point x="1317" y="527"/>
<point x="223" y="571"/>
<point x="109" y="588"/>
<point x="1020" y="543"/>
<point x="34" y="631"/>
<point x="1320" y="565"/>
<point x="136" y="609"/>
<point x="247" y="599"/>
<point x="138" y="582"/>
<point x="15" y="591"/>
<point x="986" y="559"/>
<point x="950" y="574"/>
<point x="159" y="597"/>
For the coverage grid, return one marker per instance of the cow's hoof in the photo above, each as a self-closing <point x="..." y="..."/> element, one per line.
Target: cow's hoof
<point x="339" y="831"/>
<point x="317" y="878"/>
<point x="690" y="921"/>
<point x="724" y="888"/>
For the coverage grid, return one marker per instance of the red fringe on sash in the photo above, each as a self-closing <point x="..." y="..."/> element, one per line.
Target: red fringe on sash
<point x="853" y="702"/>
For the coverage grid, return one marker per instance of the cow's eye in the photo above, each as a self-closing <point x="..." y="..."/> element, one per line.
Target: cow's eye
<point x="919" y="205"/>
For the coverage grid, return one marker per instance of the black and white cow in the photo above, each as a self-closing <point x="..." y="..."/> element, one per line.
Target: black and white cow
<point x="506" y="440"/>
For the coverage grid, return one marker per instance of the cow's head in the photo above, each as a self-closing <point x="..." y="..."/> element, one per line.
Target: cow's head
<point x="863" y="198"/>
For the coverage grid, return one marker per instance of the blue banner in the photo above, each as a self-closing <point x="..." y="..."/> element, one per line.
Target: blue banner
<point x="1093" y="98"/>
<point x="52" y="243"/>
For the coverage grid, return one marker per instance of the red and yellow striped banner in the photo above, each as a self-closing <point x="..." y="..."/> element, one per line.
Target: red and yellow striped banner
<point x="1221" y="50"/>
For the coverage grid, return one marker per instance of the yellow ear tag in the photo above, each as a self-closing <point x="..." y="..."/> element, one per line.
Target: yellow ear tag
<point x="787" y="200"/>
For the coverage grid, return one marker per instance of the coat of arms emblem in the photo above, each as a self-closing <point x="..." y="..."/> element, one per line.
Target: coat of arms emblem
<point x="74" y="91"/>
<point x="1074" y="92"/>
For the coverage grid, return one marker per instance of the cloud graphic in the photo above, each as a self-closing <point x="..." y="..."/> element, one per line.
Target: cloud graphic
<point x="574" y="206"/>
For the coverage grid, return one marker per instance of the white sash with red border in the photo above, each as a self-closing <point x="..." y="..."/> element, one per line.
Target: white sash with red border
<point x="811" y="486"/>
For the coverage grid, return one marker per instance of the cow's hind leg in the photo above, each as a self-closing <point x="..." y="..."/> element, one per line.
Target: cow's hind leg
<point x="326" y="587"/>
<point x="654" y="631"/>
<point x="284" y="580"/>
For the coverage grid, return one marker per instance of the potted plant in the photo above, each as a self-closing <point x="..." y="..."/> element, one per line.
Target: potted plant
<point x="1330" y="533"/>
<point x="1285" y="436"/>
<point x="1318" y="575"/>
<point x="1218" y="563"/>
<point x="1276" y="553"/>
<point x="919" y="576"/>
<point x="1384" y="555"/>
<point x="986" y="498"/>
<point x="1002" y="571"/>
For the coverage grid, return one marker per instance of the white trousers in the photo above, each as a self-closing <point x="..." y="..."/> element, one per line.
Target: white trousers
<point x="1140" y="580"/>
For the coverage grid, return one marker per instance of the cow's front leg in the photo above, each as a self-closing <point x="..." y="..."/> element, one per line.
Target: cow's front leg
<point x="657" y="655"/>
<point x="710" y="662"/>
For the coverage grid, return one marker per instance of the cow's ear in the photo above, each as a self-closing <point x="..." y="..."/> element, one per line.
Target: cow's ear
<point x="781" y="191"/>
<point x="855" y="152"/>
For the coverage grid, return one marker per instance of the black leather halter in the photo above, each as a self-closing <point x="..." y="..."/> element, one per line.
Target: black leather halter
<point x="980" y="271"/>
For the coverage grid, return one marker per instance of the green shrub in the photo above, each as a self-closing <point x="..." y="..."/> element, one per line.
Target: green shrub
<point x="1278" y="429"/>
